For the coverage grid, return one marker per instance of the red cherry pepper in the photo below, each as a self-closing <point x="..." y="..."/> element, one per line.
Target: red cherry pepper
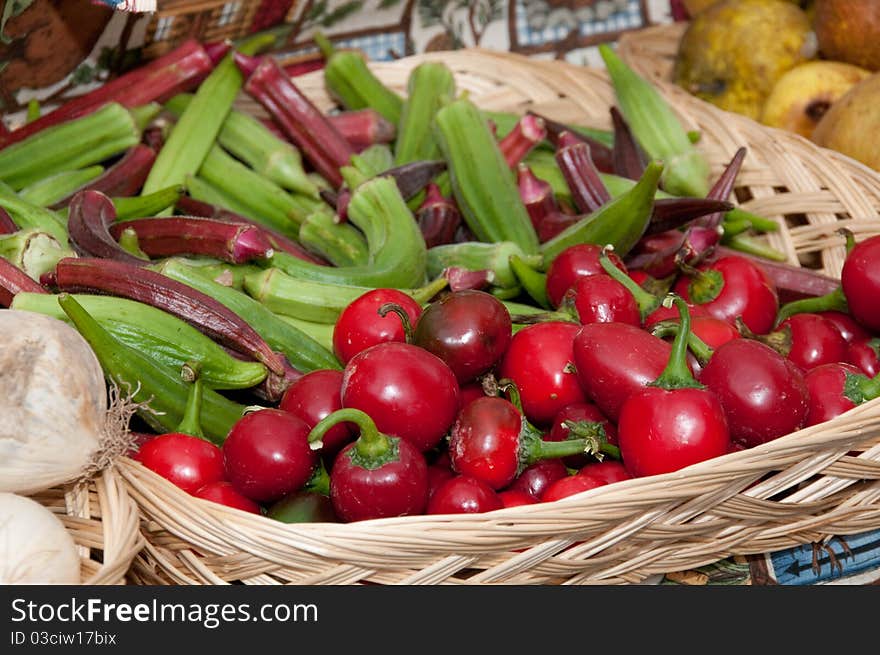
<point x="536" y="478"/>
<point x="837" y="388"/>
<point x="574" y="262"/>
<point x="763" y="393"/>
<point x="360" y="325"/>
<point x="538" y="361"/>
<point x="377" y="475"/>
<point x="813" y="341"/>
<point x="185" y="457"/>
<point x="464" y="495"/>
<point x="865" y="354"/>
<point x="224" y="493"/>
<point x="675" y="421"/>
<point x="407" y="391"/>
<point x="268" y="454"/>
<point x="614" y="360"/>
<point x="731" y="287"/>
<point x="312" y="397"/>
<point x="469" y="330"/>
<point x="859" y="287"/>
<point x="493" y="442"/>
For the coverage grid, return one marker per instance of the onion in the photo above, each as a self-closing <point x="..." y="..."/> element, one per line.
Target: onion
<point x="53" y="403"/>
<point x="35" y="547"/>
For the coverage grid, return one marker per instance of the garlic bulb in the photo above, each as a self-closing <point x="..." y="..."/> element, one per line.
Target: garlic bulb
<point x="35" y="547"/>
<point x="53" y="401"/>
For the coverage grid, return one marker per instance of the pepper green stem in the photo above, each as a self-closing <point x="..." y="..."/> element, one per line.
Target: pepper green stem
<point x="536" y="449"/>
<point x="508" y="386"/>
<point x="596" y="431"/>
<point x="372" y="448"/>
<point x="191" y="422"/>
<point x="835" y="301"/>
<point x="565" y="314"/>
<point x="389" y="307"/>
<point x="33" y="110"/>
<point x="319" y="482"/>
<point x="734" y="227"/>
<point x="751" y="246"/>
<point x="850" y="238"/>
<point x="677" y="375"/>
<point x="860" y="388"/>
<point x="646" y="301"/>
<point x="698" y="347"/>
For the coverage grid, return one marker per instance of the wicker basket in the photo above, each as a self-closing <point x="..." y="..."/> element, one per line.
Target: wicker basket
<point x="798" y="489"/>
<point x="104" y="522"/>
<point x="652" y="51"/>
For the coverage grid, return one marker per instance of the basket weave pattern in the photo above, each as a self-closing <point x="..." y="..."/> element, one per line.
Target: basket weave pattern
<point x="104" y="522"/>
<point x="801" y="488"/>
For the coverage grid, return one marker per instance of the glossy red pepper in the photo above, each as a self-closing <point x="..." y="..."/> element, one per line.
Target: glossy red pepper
<point x="675" y="422"/>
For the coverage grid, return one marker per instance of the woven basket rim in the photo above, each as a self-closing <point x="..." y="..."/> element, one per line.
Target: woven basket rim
<point x="115" y="527"/>
<point x="747" y="474"/>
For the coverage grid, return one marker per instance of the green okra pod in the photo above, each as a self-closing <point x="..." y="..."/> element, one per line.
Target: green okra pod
<point x="316" y="301"/>
<point x="483" y="183"/>
<point x="341" y="244"/>
<point x="33" y="251"/>
<point x="56" y="187"/>
<point x="253" y="143"/>
<point x="258" y="197"/>
<point x="301" y="350"/>
<point x="195" y="133"/>
<point x="481" y="256"/>
<point x="350" y="80"/>
<point x="657" y="129"/>
<point x="397" y="251"/>
<point x="161" y="395"/>
<point x="430" y="86"/>
<point x="619" y="223"/>
<point x="27" y="215"/>
<point x="71" y="145"/>
<point x="165" y="339"/>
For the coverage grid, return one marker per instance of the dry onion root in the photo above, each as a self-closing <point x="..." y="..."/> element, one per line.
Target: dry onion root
<point x="57" y="424"/>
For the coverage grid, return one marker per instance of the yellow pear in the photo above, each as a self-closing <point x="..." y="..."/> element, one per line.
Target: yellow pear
<point x="802" y="96"/>
<point x="732" y="53"/>
<point x="852" y="123"/>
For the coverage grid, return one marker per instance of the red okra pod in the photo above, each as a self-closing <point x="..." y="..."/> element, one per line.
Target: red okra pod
<point x="627" y="156"/>
<point x="235" y="243"/>
<point x="438" y="217"/>
<point x="528" y="132"/>
<point x="179" y="70"/>
<point x="587" y="189"/>
<point x="89" y="217"/>
<point x="116" y="278"/>
<point x="124" y="178"/>
<point x="192" y="207"/>
<point x="301" y="121"/>
<point x="7" y="225"/>
<point x="363" y="127"/>
<point x="536" y="194"/>
<point x="14" y="280"/>
<point x="600" y="153"/>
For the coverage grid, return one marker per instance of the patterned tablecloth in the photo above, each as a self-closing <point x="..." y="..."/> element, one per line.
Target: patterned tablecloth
<point x="387" y="29"/>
